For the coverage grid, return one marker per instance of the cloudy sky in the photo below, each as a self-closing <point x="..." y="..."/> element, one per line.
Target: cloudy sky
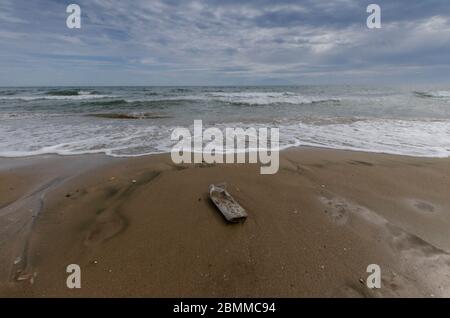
<point x="224" y="42"/>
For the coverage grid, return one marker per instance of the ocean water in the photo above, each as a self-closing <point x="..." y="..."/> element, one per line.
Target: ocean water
<point x="133" y="121"/>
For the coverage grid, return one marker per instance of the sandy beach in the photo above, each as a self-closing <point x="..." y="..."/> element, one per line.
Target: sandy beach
<point x="144" y="227"/>
<point x="247" y="150"/>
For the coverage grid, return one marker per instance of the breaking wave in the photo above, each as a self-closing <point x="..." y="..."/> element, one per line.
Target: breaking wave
<point x="246" y="98"/>
<point x="434" y="94"/>
<point x="129" y="115"/>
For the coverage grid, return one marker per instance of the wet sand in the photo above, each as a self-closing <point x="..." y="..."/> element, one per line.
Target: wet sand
<point x="145" y="227"/>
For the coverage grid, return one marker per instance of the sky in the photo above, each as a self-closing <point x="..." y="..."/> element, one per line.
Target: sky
<point x="224" y="42"/>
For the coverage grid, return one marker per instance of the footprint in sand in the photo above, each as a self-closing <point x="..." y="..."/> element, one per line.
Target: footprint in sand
<point x="421" y="206"/>
<point x="340" y="210"/>
<point x="337" y="210"/>
<point x="420" y="260"/>
<point x="106" y="226"/>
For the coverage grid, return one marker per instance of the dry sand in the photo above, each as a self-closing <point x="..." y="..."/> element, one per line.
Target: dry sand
<point x="312" y="229"/>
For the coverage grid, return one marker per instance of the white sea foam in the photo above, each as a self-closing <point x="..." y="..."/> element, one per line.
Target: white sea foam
<point x="442" y="94"/>
<point x="445" y="94"/>
<point x="246" y="98"/>
<point x="378" y="120"/>
<point x="414" y="138"/>
<point x="267" y="98"/>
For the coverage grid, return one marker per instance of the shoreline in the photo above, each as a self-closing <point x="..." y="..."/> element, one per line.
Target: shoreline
<point x="312" y="230"/>
<point x="284" y="149"/>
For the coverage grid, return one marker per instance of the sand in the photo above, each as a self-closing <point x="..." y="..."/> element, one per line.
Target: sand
<point x="144" y="227"/>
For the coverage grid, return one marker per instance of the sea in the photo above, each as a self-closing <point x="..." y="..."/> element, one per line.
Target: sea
<point x="136" y="121"/>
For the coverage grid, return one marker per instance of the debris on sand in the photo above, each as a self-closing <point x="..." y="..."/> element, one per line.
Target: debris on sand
<point x="230" y="209"/>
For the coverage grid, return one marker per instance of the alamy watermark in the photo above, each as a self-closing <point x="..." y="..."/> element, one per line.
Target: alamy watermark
<point x="73" y="281"/>
<point x="238" y="145"/>
<point x="73" y="21"/>
<point x="374" y="279"/>
<point x="374" y="19"/>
